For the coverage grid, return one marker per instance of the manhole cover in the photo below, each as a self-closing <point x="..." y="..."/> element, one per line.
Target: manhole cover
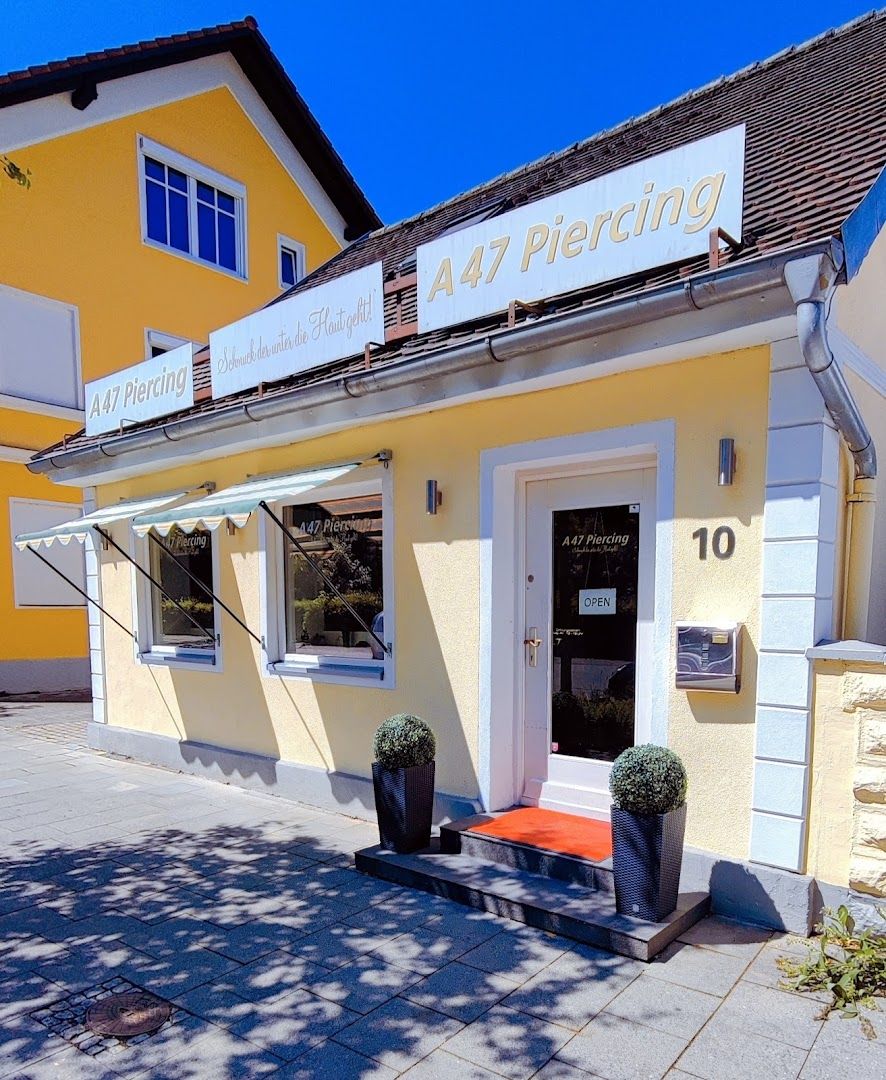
<point x="127" y="1015"/>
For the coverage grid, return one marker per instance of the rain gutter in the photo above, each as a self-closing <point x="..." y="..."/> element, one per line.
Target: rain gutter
<point x="695" y="294"/>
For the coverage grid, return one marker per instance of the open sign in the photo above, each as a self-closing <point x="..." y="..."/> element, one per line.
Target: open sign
<point x="596" y="601"/>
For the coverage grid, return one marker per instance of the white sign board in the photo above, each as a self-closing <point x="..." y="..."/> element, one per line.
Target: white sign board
<point x="596" y="601"/>
<point x="314" y="327"/>
<point x="159" y="386"/>
<point x="658" y="211"/>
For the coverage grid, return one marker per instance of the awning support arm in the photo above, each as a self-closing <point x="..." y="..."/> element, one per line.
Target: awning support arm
<point x="206" y="589"/>
<point x="83" y="593"/>
<point x="203" y="631"/>
<point x="315" y="566"/>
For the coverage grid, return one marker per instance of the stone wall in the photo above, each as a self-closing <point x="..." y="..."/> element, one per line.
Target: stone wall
<point x="863" y="693"/>
<point x="846" y="835"/>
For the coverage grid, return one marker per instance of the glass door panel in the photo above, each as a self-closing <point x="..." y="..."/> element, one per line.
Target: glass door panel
<point x="594" y="630"/>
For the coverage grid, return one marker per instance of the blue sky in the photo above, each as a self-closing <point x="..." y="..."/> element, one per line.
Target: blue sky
<point x="424" y="100"/>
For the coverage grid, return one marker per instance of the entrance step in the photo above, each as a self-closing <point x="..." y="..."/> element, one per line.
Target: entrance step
<point x="548" y="903"/>
<point x="462" y="837"/>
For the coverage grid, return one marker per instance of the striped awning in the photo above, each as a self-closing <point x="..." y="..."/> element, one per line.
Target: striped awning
<point x="236" y="504"/>
<point x="78" y="528"/>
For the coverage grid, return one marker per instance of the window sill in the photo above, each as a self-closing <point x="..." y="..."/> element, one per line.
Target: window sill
<point x="345" y="674"/>
<point x="190" y="663"/>
<point x="42" y="408"/>
<point x="194" y="260"/>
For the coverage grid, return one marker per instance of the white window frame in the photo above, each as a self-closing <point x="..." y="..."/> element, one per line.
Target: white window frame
<point x="159" y="340"/>
<point x="173" y="656"/>
<point x="298" y="250"/>
<point x="195" y="172"/>
<point x="348" y="671"/>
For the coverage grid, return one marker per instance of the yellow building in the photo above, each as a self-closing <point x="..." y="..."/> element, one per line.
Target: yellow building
<point x="174" y="184"/>
<point x="582" y="458"/>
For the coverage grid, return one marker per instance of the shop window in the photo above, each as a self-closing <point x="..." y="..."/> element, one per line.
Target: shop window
<point x="192" y="210"/>
<point x="291" y="261"/>
<point x="181" y="622"/>
<point x="331" y="600"/>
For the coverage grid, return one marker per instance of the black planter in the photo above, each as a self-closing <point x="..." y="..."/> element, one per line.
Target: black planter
<point x="647" y="853"/>
<point x="404" y="802"/>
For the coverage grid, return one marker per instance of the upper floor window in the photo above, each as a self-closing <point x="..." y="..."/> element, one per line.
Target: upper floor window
<point x="157" y="343"/>
<point x="191" y="209"/>
<point x="291" y="262"/>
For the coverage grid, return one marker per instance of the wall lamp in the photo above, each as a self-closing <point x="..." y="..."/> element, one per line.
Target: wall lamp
<point x="727" y="462"/>
<point x="433" y="497"/>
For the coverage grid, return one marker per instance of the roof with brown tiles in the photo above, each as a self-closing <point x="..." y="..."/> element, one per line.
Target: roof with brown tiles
<point x="79" y="74"/>
<point x="815" y="119"/>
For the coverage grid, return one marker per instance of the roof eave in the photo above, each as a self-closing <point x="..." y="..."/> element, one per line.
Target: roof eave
<point x="259" y="64"/>
<point x="760" y="279"/>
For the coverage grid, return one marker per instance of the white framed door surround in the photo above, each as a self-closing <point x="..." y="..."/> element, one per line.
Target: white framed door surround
<point x="504" y="473"/>
<point x="558" y="779"/>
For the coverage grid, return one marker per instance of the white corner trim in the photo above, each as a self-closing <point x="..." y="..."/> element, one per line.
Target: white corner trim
<point x="16" y="455"/>
<point x="500" y="539"/>
<point x="850" y="356"/>
<point x="796" y="598"/>
<point x="42" y="408"/>
<point x="33" y="122"/>
<point x="94" y="618"/>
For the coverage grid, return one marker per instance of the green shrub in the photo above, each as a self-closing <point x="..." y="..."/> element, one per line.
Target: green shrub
<point x="648" y="780"/>
<point x="402" y="741"/>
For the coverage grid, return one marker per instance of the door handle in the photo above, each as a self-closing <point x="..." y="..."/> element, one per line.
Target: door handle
<point x="533" y="641"/>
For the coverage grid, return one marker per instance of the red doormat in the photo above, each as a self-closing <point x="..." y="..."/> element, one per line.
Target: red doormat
<point x="567" y="834"/>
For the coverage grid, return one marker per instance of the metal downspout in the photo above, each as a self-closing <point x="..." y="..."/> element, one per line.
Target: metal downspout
<point x="812" y="282"/>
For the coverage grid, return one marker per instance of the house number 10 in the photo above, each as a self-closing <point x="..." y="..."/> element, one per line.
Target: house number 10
<point x="722" y="542"/>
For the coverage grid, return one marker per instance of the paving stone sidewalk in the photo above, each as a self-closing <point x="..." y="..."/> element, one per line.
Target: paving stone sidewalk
<point x="280" y="960"/>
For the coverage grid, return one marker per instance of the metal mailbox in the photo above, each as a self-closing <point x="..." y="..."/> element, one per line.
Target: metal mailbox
<point x="709" y="657"/>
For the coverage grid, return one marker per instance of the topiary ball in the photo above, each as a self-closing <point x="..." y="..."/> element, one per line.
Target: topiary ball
<point x="648" y="780"/>
<point x="403" y="741"/>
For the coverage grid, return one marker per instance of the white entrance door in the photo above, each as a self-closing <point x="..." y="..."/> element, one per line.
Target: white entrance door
<point x="589" y="609"/>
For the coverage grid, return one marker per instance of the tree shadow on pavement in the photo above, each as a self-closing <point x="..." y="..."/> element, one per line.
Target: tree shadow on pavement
<point x="278" y="955"/>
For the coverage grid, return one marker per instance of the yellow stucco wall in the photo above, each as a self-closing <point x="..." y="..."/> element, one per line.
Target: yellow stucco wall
<point x="859" y="312"/>
<point x="33" y="633"/>
<point x="437" y="577"/>
<point x="873" y="408"/>
<point x="834" y="743"/>
<point x="858" y="309"/>
<point x="75" y="236"/>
